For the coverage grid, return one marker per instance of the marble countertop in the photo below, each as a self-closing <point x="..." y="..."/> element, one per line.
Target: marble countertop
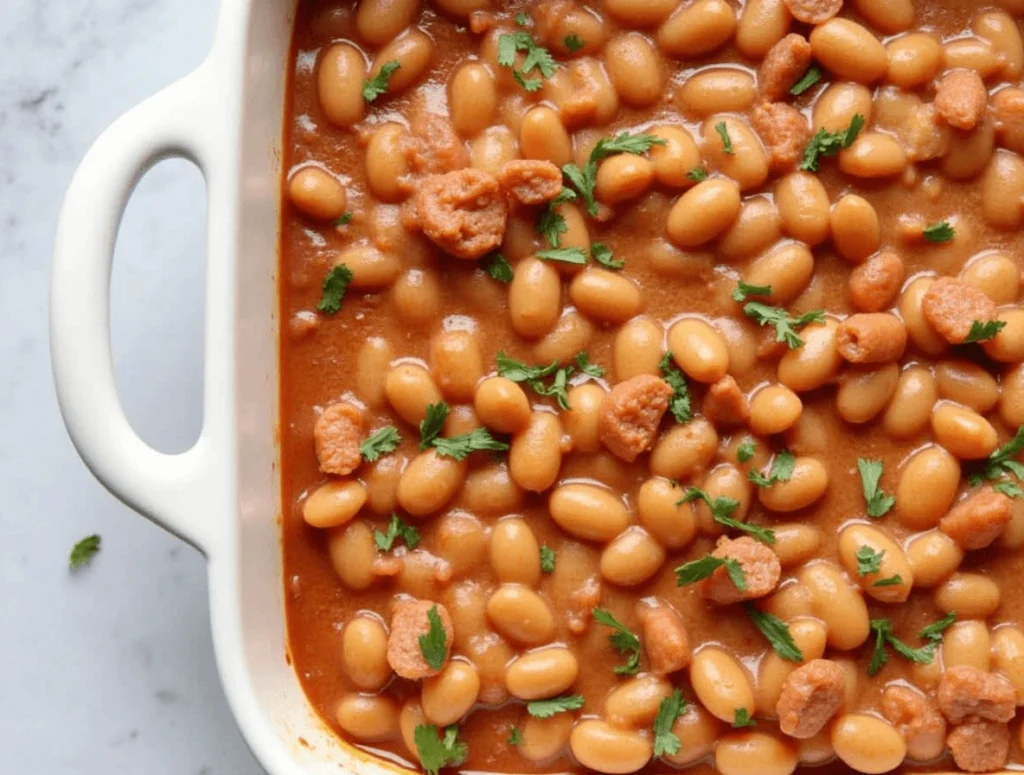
<point x="109" y="670"/>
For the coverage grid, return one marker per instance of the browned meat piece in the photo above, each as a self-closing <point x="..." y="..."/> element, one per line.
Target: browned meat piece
<point x="582" y="602"/>
<point x="961" y="99"/>
<point x="337" y="434"/>
<point x="923" y="137"/>
<point x="875" y="337"/>
<point x="760" y="565"/>
<point x="875" y="284"/>
<point x="462" y="212"/>
<point x="725" y="404"/>
<point x="434" y="147"/>
<point x="978" y="520"/>
<point x="1008" y="109"/>
<point x="968" y="694"/>
<point x="952" y="306"/>
<point x="785" y="131"/>
<point x="917" y="721"/>
<point x="980" y="747"/>
<point x="783" y="66"/>
<point x="813" y="11"/>
<point x="408" y="622"/>
<point x="630" y="413"/>
<point x="810" y="696"/>
<point x="530" y="181"/>
<point x="665" y="639"/>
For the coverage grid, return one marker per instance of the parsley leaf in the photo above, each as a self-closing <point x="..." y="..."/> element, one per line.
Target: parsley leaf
<point x="499" y="269"/>
<point x="868" y="561"/>
<point x="741" y="719"/>
<point x="551" y="224"/>
<point x="434" y="643"/>
<point x="83" y="552"/>
<point x="811" y="77"/>
<point x="1001" y="461"/>
<point x="522" y="19"/>
<point x="780" y="471"/>
<point x="515" y="737"/>
<point x="548" y="708"/>
<point x="878" y="503"/>
<point x="723" y="132"/>
<point x="939" y="232"/>
<point x="378" y="85"/>
<point x="1009" y="488"/>
<point x="603" y="255"/>
<point x="461" y="447"/>
<point x="565" y="255"/>
<point x="397" y="529"/>
<point x="884" y="636"/>
<point x="721" y="512"/>
<point x="934" y="631"/>
<point x="679" y="404"/>
<point x="344" y="219"/>
<point x="333" y="290"/>
<point x="825" y="143"/>
<point x="437" y="753"/>
<point x="670" y="709"/>
<point x="573" y="42"/>
<point x="785" y="326"/>
<point x="624" y="641"/>
<point x="983" y="330"/>
<point x="745" y="451"/>
<point x="698" y="570"/>
<point x="889" y="581"/>
<point x="585" y="179"/>
<point x="743" y="291"/>
<point x="777" y="633"/>
<point x="697" y="174"/>
<point x="534" y="376"/>
<point x="586" y="367"/>
<point x="380" y="443"/>
<point x="547" y="559"/>
<point x="537" y="58"/>
<point x="432" y="424"/>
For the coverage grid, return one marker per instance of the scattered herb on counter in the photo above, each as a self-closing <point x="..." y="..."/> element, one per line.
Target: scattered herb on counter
<point x="703" y="568"/>
<point x="825" y="143"/>
<point x="397" y="530"/>
<point x="624" y="641"/>
<point x="333" y="291"/>
<point x="548" y="708"/>
<point x="679" y="403"/>
<point x="83" y="552"/>
<point x="982" y="331"/>
<point x="781" y="470"/>
<point x="434" y="643"/>
<point x="939" y="232"/>
<point x="380" y="443"/>
<point x="776" y="632"/>
<point x="439" y="752"/>
<point x="877" y="501"/>
<point x="378" y="85"/>
<point x="785" y="326"/>
<point x="669" y="710"/>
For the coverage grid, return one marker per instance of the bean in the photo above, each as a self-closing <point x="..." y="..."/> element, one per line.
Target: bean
<point x="413" y="51"/>
<point x="456" y="364"/>
<point x="967" y="643"/>
<point x="994" y="273"/>
<point x="410" y="717"/>
<point x="803" y="207"/>
<point x="490" y="491"/>
<point x="534" y="298"/>
<point x="675" y="158"/>
<point x="631" y="558"/>
<point x="933" y="557"/>
<point x="588" y="512"/>
<point x="873" y="155"/>
<point x="864" y="393"/>
<point x="796" y="542"/>
<point x="571" y="335"/>
<point x="866" y="743"/>
<point x="893" y="563"/>
<point x="635" y="702"/>
<point x="739" y="753"/>
<point x="1008" y="656"/>
<point x="838" y="104"/>
<point x="1002" y="189"/>
<point x="515" y="554"/>
<point x="971" y="53"/>
<point x="364" y="645"/>
<point x="352" y="553"/>
<point x="542" y="673"/>
<point x="542" y="136"/>
<point x="963" y="432"/>
<point x="371" y="269"/>
<point x="721" y="683"/>
<point x="856" y="233"/>
<point x="634" y="69"/>
<point x="747" y="164"/>
<point x="492" y="148"/>
<point x="889" y="16"/>
<point x="1008" y="345"/>
<point x="640" y="13"/>
<point x="813" y="364"/>
<point x="544" y="739"/>
<point x="368" y="719"/>
<point x="787" y="268"/>
<point x="809" y="637"/>
<point x="637" y="348"/>
<point x="699" y="350"/>
<point x="717" y="90"/>
<point x="460" y="540"/>
<point x="848" y="50"/>
<point x="521" y="615"/>
<point x="1000" y="30"/>
<point x="774" y="409"/>
<point x="658" y="510"/>
<point x="757" y="227"/>
<point x="604" y="295"/>
<point x="971" y="153"/>
<point x="429" y="483"/>
<point x="1011" y="406"/>
<point x="501" y="405"/>
<point x="461" y="9"/>
<point x="967" y="383"/>
<point x="684" y="449"/>
<point x="838" y="604"/>
<point x="703" y="212"/>
<point x="697" y="731"/>
<point x="449" y="695"/>
<point x="927" y="487"/>
<point x="378" y="21"/>
<point x="806" y="485"/>
<point x="762" y="24"/>
<point x="724" y="481"/>
<point x="473" y="99"/>
<point x="535" y="454"/>
<point x="334" y="503"/>
<point x="317" y="194"/>
<point x="340" y="84"/>
<point x="914" y="59"/>
<point x="911" y="406"/>
<point x="623" y="177"/>
<point x="971" y="595"/>
<point x="697" y="29"/>
<point x="603" y="748"/>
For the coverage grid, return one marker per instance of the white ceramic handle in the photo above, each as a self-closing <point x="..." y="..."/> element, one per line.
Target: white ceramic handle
<point x="177" y="122"/>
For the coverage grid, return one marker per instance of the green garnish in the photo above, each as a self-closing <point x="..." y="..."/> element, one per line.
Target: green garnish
<point x="878" y="503"/>
<point x="432" y="424"/>
<point x="1009" y="488"/>
<point x="670" y="709"/>
<point x="522" y="19"/>
<point x="1002" y="460"/>
<point x="551" y="224"/>
<point x="333" y="290"/>
<point x="811" y="77"/>
<point x="603" y="255"/>
<point x="573" y="42"/>
<point x="679" y="403"/>
<point x="434" y="643"/>
<point x="745" y="451"/>
<point x="83" y="552"/>
<point x="547" y="559"/>
<point x="565" y="255"/>
<point x="698" y="570"/>
<point x="743" y="291"/>
<point x="781" y="470"/>
<point x="548" y="708"/>
<point x="776" y="632"/>
<point x="586" y="367"/>
<point x="624" y="641"/>
<point x="499" y="269"/>
<point x="984" y="330"/>
<point x="933" y="632"/>
<point x="741" y="719"/>
<point x="585" y="179"/>
<point x="868" y="561"/>
<point x="825" y="143"/>
<point x="436" y="753"/>
<point x="378" y="85"/>
<point x="534" y="376"/>
<point x="515" y="737"/>
<point x="537" y="58"/>
<point x="939" y="232"/>
<point x="380" y="443"/>
<point x="344" y="219"/>
<point x="785" y="326"/>
<point x="889" y="581"/>
<point x="397" y="529"/>
<point x="461" y="447"/>
<point x="697" y="174"/>
<point x="721" y="512"/>
<point x="723" y="132"/>
<point x="882" y="628"/>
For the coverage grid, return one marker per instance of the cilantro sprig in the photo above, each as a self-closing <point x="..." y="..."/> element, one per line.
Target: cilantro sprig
<point x="83" y="552"/>
<point x="585" y="179"/>
<point x="703" y="568"/>
<point x="868" y="561"/>
<point x="746" y="449"/>
<point x="397" y="530"/>
<point x="878" y="503"/>
<point x="382" y="442"/>
<point x="335" y="284"/>
<point x="551" y="224"/>
<point x="378" y="85"/>
<point x="983" y="330"/>
<point x="535" y="377"/>
<point x="498" y="268"/>
<point x="437" y="752"/>
<point x="547" y="559"/>
<point x="775" y="632"/>
<point x="679" y="403"/>
<point x="785" y="326"/>
<point x="434" y="642"/>
<point x="742" y="719"/>
<point x="723" y="132"/>
<point x="939" y="232"/>
<point x="884" y="636"/>
<point x="462" y="446"/>
<point x="744" y="291"/>
<point x="548" y="708"/>
<point x="537" y="58"/>
<point x="811" y="77"/>
<point x="781" y="470"/>
<point x="432" y="425"/>
<point x="825" y="143"/>
<point x="623" y="640"/>
<point x="721" y="509"/>
<point x="603" y="255"/>
<point x="667" y="743"/>
<point x="1002" y="462"/>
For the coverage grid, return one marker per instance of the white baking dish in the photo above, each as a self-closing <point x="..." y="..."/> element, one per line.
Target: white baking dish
<point x="222" y="495"/>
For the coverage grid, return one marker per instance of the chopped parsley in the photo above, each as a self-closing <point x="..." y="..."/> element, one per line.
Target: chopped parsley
<point x="811" y="77"/>
<point x="515" y="737"/>
<point x="380" y="443"/>
<point x="434" y="643"/>
<point x="743" y="291"/>
<point x="889" y="581"/>
<point x="776" y="632"/>
<point x="534" y="376"/>
<point x="721" y="509"/>
<point x="333" y="290"/>
<point x="573" y="42"/>
<point x="868" y="561"/>
<point x="499" y="269"/>
<point x="933" y="632"/>
<point x="624" y="641"/>
<point x="825" y="143"/>
<point x="537" y="58"/>
<point x="679" y="403"/>
<point x="697" y="174"/>
<point x="882" y="628"/>
<point x="780" y="471"/>
<point x="1002" y="460"/>
<point x="785" y="326"/>
<point x="83" y="552"/>
<point x="436" y="753"/>
<point x="585" y="179"/>
<point x="523" y="19"/>
<point x="565" y="255"/>
<point x="344" y="219"/>
<point x="670" y="709"/>
<point x="983" y="330"/>
<point x="461" y="447"/>
<point x="723" y="132"/>
<point x="603" y="255"/>
<point x="378" y="85"/>
<point x="1008" y="488"/>
<point x="547" y="559"/>
<point x="548" y="708"/>
<point x="741" y="719"/>
<point x="939" y="232"/>
<point x="586" y="367"/>
<point x="551" y="224"/>
<point x="878" y="503"/>
<point x="698" y="570"/>
<point x="433" y="424"/>
<point x="397" y="529"/>
<point x="745" y="451"/>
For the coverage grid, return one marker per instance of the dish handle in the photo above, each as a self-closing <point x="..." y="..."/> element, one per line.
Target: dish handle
<point x="169" y="489"/>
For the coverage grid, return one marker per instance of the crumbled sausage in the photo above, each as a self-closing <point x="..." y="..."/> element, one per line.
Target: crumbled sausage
<point x="875" y="284"/>
<point x="1008" y="109"/>
<point x="408" y="622"/>
<point x="952" y="306"/>
<point x="630" y="413"/>
<point x="530" y="181"/>
<point x="725" y="404"/>
<point x="462" y="212"/>
<point x="961" y="99"/>
<point x="665" y="639"/>
<point x="581" y="603"/>
<point x="785" y="131"/>
<point x="916" y="719"/>
<point x="875" y="337"/>
<point x="783" y="66"/>
<point x="338" y="433"/>
<point x="760" y="565"/>
<point x="810" y="696"/>
<point x="966" y="693"/>
<point x="981" y="746"/>
<point x="434" y="147"/>
<point x="813" y="11"/>
<point x="978" y="519"/>
<point x="923" y="137"/>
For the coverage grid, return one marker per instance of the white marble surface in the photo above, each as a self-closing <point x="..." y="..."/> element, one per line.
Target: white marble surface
<point x="110" y="670"/>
